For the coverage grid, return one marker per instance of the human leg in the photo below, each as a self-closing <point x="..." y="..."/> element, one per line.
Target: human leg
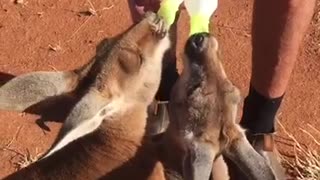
<point x="277" y="31"/>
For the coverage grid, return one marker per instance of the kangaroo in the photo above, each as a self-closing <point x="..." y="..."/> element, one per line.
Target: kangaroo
<point x="103" y="136"/>
<point x="202" y="113"/>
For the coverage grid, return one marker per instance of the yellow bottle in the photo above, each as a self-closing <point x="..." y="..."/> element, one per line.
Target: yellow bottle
<point x="200" y="12"/>
<point x="168" y="9"/>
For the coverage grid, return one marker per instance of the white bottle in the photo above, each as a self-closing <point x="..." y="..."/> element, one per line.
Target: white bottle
<point x="200" y="12"/>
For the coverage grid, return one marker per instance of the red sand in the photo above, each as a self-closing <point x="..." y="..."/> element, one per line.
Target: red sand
<point x="28" y="30"/>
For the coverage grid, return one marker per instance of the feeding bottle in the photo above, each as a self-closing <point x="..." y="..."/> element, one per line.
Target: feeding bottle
<point x="200" y="12"/>
<point x="168" y="9"/>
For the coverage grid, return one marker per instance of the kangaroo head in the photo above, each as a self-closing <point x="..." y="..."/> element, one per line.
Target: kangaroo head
<point x="202" y="112"/>
<point x="125" y="78"/>
<point x="133" y="65"/>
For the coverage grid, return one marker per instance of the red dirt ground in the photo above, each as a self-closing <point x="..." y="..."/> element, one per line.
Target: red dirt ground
<point x="28" y="30"/>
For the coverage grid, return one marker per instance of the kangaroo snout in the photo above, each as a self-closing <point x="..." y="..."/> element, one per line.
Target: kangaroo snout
<point x="196" y="44"/>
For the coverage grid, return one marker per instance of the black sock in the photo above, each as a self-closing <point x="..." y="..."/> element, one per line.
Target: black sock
<point x="259" y="112"/>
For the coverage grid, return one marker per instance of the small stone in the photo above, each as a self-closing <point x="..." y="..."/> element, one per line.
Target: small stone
<point x="55" y="48"/>
<point x="19" y="1"/>
<point x="40" y="14"/>
<point x="90" y="12"/>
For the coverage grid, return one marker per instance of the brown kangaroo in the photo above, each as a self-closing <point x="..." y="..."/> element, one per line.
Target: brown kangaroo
<point x="103" y="136"/>
<point x="202" y="113"/>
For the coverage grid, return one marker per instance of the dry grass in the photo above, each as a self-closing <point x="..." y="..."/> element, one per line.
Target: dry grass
<point x="19" y="159"/>
<point x="23" y="160"/>
<point x="305" y="165"/>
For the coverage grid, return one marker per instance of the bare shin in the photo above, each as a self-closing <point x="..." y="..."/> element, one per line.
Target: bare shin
<point x="278" y="29"/>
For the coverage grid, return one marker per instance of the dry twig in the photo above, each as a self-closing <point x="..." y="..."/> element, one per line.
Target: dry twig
<point x="306" y="162"/>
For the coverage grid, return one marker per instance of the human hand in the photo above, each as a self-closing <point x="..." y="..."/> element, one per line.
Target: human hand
<point x="143" y="6"/>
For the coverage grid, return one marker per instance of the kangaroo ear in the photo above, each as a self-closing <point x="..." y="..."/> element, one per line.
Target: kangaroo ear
<point x="248" y="160"/>
<point x="23" y="91"/>
<point x="240" y="150"/>
<point x="85" y="117"/>
<point x="197" y="163"/>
